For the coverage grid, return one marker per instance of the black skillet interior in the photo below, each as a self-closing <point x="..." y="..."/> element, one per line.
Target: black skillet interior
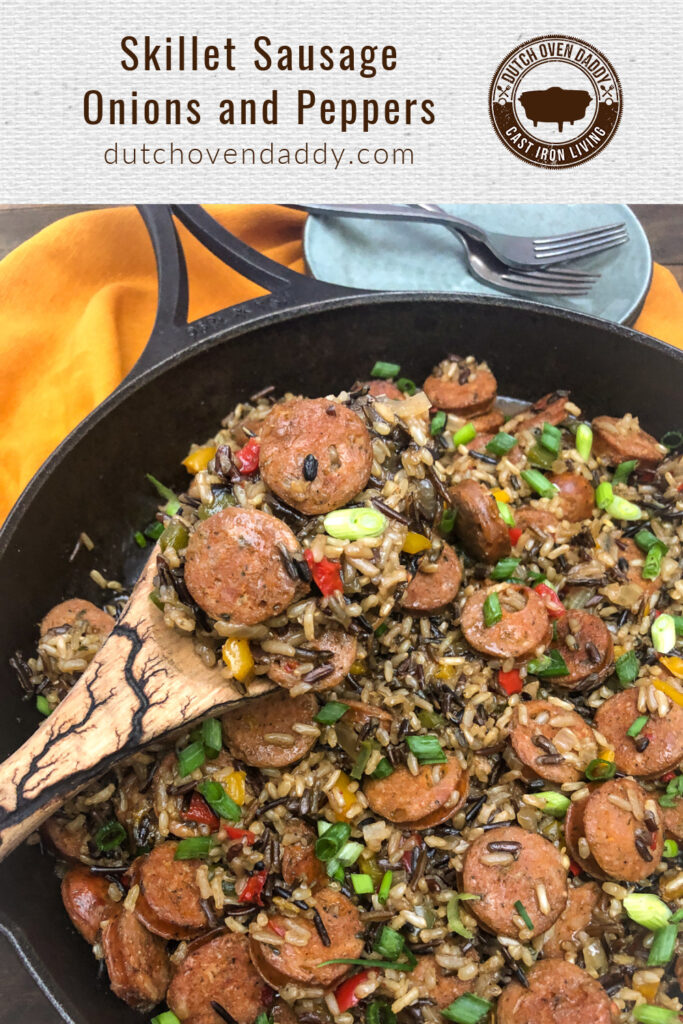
<point x="96" y="483"/>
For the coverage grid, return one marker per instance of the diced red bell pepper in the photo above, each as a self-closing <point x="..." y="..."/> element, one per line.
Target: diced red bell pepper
<point x="346" y="993"/>
<point x="413" y="840"/>
<point x="254" y="888"/>
<point x="515" y="533"/>
<point x="553" y="605"/>
<point x="680" y="488"/>
<point x="511" y="681"/>
<point x="277" y="928"/>
<point x="200" y="812"/>
<point x="574" y="868"/>
<point x="667" y="776"/>
<point x="247" y="458"/>
<point x="326" y="573"/>
<point x="240" y="833"/>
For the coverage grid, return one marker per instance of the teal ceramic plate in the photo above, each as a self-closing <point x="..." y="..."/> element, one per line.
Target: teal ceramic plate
<point x="385" y="255"/>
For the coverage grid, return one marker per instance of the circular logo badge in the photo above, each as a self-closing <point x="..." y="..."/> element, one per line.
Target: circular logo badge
<point x="555" y="101"/>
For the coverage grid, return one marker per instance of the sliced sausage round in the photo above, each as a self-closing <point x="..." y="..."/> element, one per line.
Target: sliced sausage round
<point x="136" y="960"/>
<point x="478" y="524"/>
<point x="337" y="650"/>
<point x="585" y="643"/>
<point x="538" y="521"/>
<point x="428" y="592"/>
<point x="549" y="409"/>
<point x="574" y="832"/>
<point x="315" y="432"/>
<point x="554" y="742"/>
<point x="509" y="865"/>
<point x="382" y="389"/>
<point x="623" y="828"/>
<point x="69" y="843"/>
<point x="234" y="567"/>
<point x="298" y="862"/>
<point x="87" y="900"/>
<point x="519" y="632"/>
<point x="436" y="790"/>
<point x="661" y="739"/>
<point x="218" y="970"/>
<point x="290" y="963"/>
<point x="69" y="612"/>
<point x="461" y="388"/>
<point x="488" y="422"/>
<point x="436" y="984"/>
<point x="576" y="496"/>
<point x="577" y="915"/>
<point x="619" y="440"/>
<point x="557" y="992"/>
<point x="169" y="903"/>
<point x="673" y="819"/>
<point x="247" y="726"/>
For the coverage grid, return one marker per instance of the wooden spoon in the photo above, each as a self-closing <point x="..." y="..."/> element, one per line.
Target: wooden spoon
<point x="144" y="682"/>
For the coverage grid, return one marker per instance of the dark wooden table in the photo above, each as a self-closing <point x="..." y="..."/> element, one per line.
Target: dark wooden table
<point x="21" y="999"/>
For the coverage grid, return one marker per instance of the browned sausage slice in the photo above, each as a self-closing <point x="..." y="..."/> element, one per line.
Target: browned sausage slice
<point x="342" y="654"/>
<point x="557" y="992"/>
<point x="576" y="496"/>
<point x="247" y="727"/>
<point x="436" y="984"/>
<point x="405" y="798"/>
<point x="583" y="900"/>
<point x="382" y="389"/>
<point x="335" y="437"/>
<point x="69" y="612"/>
<point x="661" y="739"/>
<point x="526" y="868"/>
<point x="428" y="592"/>
<point x="137" y="963"/>
<point x="619" y="440"/>
<point x="585" y="643"/>
<point x="234" y="568"/>
<point x="549" y="409"/>
<point x="523" y="628"/>
<point x="68" y="842"/>
<point x="488" y="422"/>
<point x="623" y="829"/>
<point x="538" y="521"/>
<point x="298" y="862"/>
<point x="478" y="525"/>
<point x="462" y="388"/>
<point x="554" y="742"/>
<point x="220" y="971"/>
<point x="87" y="900"/>
<point x="673" y="820"/>
<point x="169" y="903"/>
<point x="575" y="838"/>
<point x="288" y="962"/>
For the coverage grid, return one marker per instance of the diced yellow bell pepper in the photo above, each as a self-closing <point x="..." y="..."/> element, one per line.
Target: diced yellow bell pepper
<point x="674" y="664"/>
<point x="501" y="495"/>
<point x="671" y="691"/>
<point x="619" y="650"/>
<point x="237" y="656"/>
<point x="369" y="866"/>
<point x="199" y="458"/>
<point x="358" y="667"/>
<point x="647" y="989"/>
<point x="234" y="786"/>
<point x="342" y="797"/>
<point x="445" y="672"/>
<point x="416" y="542"/>
<point x="606" y="754"/>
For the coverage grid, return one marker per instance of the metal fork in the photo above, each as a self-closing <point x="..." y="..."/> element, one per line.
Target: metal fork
<point x="486" y="267"/>
<point x="514" y="250"/>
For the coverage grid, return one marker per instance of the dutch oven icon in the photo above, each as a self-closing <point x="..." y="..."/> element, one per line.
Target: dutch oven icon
<point x="555" y="104"/>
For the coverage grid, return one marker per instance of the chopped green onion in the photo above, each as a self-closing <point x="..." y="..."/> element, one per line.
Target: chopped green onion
<point x="505" y="513"/>
<point x="521" y="910"/>
<point x="212" y="737"/>
<point x="667" y="800"/>
<point x="551" y="438"/>
<point x="379" y="1012"/>
<point x="383" y="769"/>
<point x="190" y="758"/>
<point x="389" y="943"/>
<point x="536" y="577"/>
<point x="672" y="439"/>
<point x="539" y="457"/>
<point x="362" y="884"/>
<point x="537" y="482"/>
<point x="332" y="840"/>
<point x="653" y="561"/>
<point x="467" y="1009"/>
<point x="501" y="444"/>
<point x="620" y="508"/>
<point x="375" y="965"/>
<point x="353" y="523"/>
<point x="645" y="539"/>
<point x="219" y="801"/>
<point x="167" y="1017"/>
<point x="447" y="520"/>
<point x="556" y="804"/>
<point x="43" y="705"/>
<point x="627" y="668"/>
<point x="172" y="504"/>
<point x="453" y="914"/>
<point x="196" y="846"/>
<point x="504" y="568"/>
<point x="670" y="848"/>
<point x="648" y="1014"/>
<point x="678" y="624"/>
<point x="647" y="910"/>
<point x="262" y="1018"/>
<point x="381" y="629"/>
<point x="663" y="632"/>
<point x="676" y="917"/>
<point x="175" y="536"/>
<point x="154" y="530"/>
<point x="550" y="664"/>
<point x="364" y="753"/>
<point x="331" y="712"/>
<point x="662" y="949"/>
<point x="140" y="539"/>
<point x="427" y="749"/>
<point x="584" y="441"/>
<point x="110" y="836"/>
<point x="637" y="726"/>
<point x="385" y="886"/>
<point x="493" y="613"/>
<point x="465" y="434"/>
<point x="385" y="370"/>
<point x="407" y="386"/>
<point x="603" y="494"/>
<point x="156" y="600"/>
<point x="623" y="471"/>
<point x="438" y="423"/>
<point x="599" y="770"/>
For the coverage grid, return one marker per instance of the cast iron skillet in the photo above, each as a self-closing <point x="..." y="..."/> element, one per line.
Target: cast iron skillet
<point x="304" y="336"/>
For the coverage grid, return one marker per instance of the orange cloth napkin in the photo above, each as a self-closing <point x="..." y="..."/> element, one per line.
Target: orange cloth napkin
<point x="77" y="303"/>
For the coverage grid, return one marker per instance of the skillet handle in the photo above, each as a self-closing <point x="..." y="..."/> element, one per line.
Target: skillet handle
<point x="172" y="334"/>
